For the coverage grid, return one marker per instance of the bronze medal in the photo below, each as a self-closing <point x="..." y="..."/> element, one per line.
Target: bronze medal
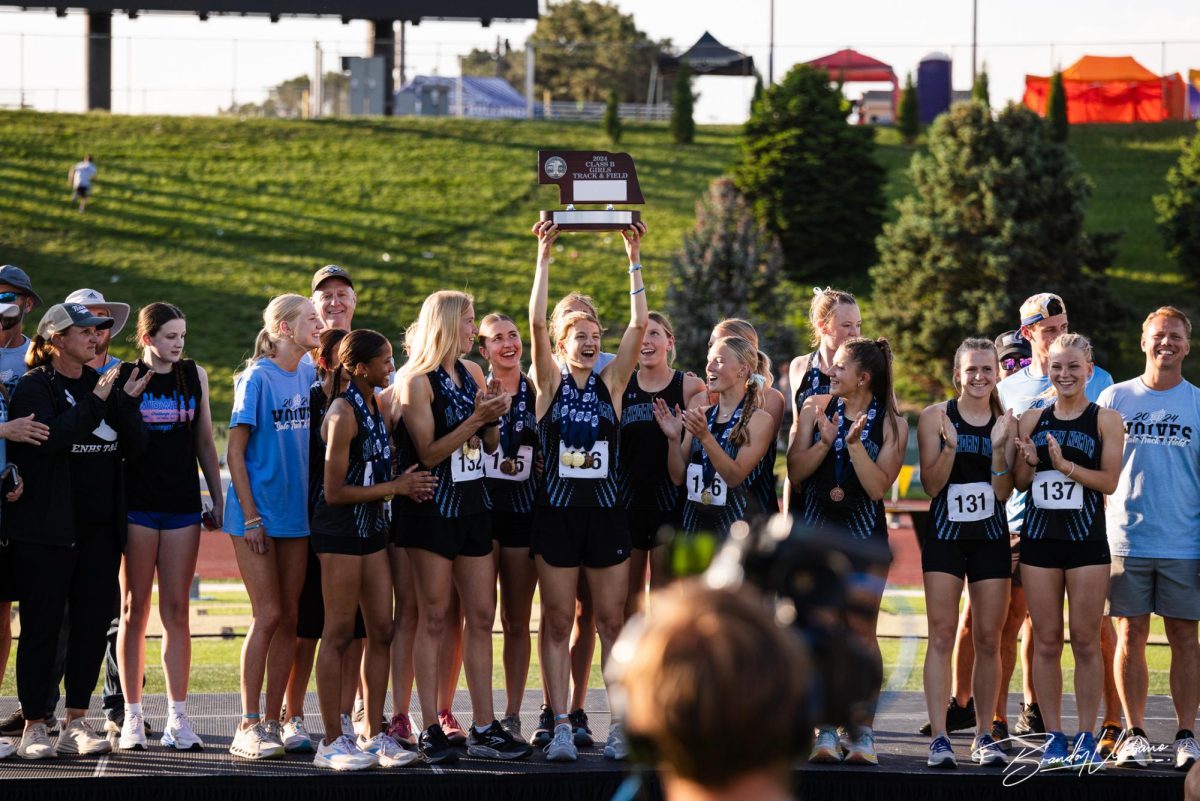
<point x="706" y="497"/>
<point x="474" y="442"/>
<point x="587" y="461"/>
<point x="508" y="467"/>
<point x="837" y="494"/>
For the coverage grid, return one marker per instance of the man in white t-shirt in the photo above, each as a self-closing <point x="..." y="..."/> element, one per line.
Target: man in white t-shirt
<point x="80" y="178"/>
<point x="1153" y="522"/>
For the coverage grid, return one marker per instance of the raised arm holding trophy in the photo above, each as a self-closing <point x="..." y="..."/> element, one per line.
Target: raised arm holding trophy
<point x="590" y="176"/>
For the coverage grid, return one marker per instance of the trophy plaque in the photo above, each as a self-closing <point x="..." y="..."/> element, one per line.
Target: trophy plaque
<point x="590" y="176"/>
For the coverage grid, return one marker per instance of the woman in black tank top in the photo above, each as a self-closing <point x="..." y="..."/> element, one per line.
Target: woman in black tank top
<point x="652" y="498"/>
<point x="847" y="452"/>
<point x="1068" y="455"/>
<point x="579" y="524"/>
<point x="163" y="502"/>
<point x="963" y="468"/>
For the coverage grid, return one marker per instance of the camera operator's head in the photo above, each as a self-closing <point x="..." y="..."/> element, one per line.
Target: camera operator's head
<point x="713" y="692"/>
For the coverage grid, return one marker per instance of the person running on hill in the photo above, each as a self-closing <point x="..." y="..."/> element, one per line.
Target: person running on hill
<point x="80" y="178"/>
<point x="162" y="493"/>
<point x="266" y="513"/>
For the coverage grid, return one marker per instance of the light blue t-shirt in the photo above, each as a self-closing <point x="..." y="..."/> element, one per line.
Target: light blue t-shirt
<point x="1155" y="512"/>
<point x="274" y="404"/>
<point x="1023" y="391"/>
<point x="12" y="365"/>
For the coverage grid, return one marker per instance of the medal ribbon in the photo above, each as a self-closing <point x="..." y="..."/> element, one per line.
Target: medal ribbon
<point x="814" y="373"/>
<point x="461" y="399"/>
<point x="513" y="423"/>
<point x="376" y="449"/>
<point x="841" y="455"/>
<point x="580" y="412"/>
<point x="707" y="470"/>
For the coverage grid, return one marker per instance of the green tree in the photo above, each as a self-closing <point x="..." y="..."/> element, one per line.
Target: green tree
<point x="812" y="178"/>
<point x="979" y="91"/>
<point x="612" y="118"/>
<point x="1179" y="209"/>
<point x="683" y="127"/>
<point x="758" y="91"/>
<point x="996" y="215"/>
<point x="909" y="122"/>
<point x="729" y="267"/>
<point x="1056" y="109"/>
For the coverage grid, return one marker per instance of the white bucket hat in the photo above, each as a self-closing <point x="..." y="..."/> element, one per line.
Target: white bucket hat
<point x="90" y="297"/>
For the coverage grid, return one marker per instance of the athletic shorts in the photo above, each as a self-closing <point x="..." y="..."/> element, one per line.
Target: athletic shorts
<point x="1014" y="547"/>
<point x="1064" y="554"/>
<point x="511" y="529"/>
<point x="82" y="190"/>
<point x="450" y="536"/>
<point x="311" y="617"/>
<point x="649" y="528"/>
<point x="580" y="536"/>
<point x="348" y="544"/>
<point x="163" y="521"/>
<point x="8" y="575"/>
<point x="1167" y="587"/>
<point x="974" y="560"/>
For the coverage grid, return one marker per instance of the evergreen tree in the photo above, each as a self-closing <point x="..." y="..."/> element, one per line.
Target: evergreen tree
<point x="1056" y="109"/>
<point x="812" y="178"/>
<point x="758" y="91"/>
<point x="1179" y="210"/>
<point x="996" y="215"/>
<point x="612" y="118"/>
<point x="980" y="91"/>
<point x="683" y="128"/>
<point x="909" y="121"/>
<point x="729" y="267"/>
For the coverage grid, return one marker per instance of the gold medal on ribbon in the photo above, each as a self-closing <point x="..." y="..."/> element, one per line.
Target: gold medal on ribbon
<point x="706" y="497"/>
<point x="567" y="459"/>
<point x="578" y="459"/>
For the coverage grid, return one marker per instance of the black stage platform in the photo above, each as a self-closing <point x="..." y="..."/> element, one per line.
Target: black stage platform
<point x="159" y="774"/>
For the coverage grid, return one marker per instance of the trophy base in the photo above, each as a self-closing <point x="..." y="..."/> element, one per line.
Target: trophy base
<point x="592" y="220"/>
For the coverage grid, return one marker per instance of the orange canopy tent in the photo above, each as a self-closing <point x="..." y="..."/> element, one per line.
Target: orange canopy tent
<point x="1112" y="89"/>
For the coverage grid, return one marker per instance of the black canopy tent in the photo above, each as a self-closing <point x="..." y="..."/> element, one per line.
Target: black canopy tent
<point x="706" y="57"/>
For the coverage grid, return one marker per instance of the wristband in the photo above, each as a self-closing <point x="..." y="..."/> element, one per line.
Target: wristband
<point x="638" y="291"/>
<point x="1003" y="472"/>
<point x="251" y="528"/>
<point x="1072" y="470"/>
<point x="633" y="268"/>
<point x="256" y="519"/>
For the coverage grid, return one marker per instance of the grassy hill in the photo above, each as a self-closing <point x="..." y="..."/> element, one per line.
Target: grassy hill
<point x="218" y="215"/>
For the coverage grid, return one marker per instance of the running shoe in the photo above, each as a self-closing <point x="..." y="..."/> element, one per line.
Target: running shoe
<point x="562" y="747"/>
<point x="274" y="730"/>
<point x="495" y="742"/>
<point x="1030" y="721"/>
<point x="359" y="718"/>
<point x="348" y="727"/>
<point x="958" y="718"/>
<point x="579" y="727"/>
<point x="617" y="747"/>
<point x="986" y="751"/>
<point x="825" y="746"/>
<point x="1085" y="752"/>
<point x="512" y="725"/>
<point x="295" y="738"/>
<point x="545" y="729"/>
<point x="1109" y="738"/>
<point x="255" y="743"/>
<point x="399" y="728"/>
<point x="860" y="750"/>
<point x="1000" y="735"/>
<point x="133" y="734"/>
<point x="1055" y="753"/>
<point x="1186" y="750"/>
<point x="388" y="752"/>
<point x="342" y="754"/>
<point x="434" y="747"/>
<point x="78" y="737"/>
<point x="35" y="743"/>
<point x="13" y="725"/>
<point x="7" y="749"/>
<point x="1134" y="751"/>
<point x="454" y="732"/>
<point x="941" y="754"/>
<point x="178" y="734"/>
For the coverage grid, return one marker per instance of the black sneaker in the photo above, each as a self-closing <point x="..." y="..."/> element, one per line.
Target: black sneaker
<point x="495" y="743"/>
<point x="1030" y="721"/>
<point x="1000" y="734"/>
<point x="579" y="727"/>
<point x="13" y="725"/>
<point x="434" y="748"/>
<point x="545" y="730"/>
<point x="958" y="718"/>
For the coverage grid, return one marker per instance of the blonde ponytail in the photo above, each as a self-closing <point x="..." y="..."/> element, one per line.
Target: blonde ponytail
<point x="282" y="309"/>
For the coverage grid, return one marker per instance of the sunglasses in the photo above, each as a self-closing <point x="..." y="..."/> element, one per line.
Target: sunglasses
<point x="10" y="297"/>
<point x="1016" y="364"/>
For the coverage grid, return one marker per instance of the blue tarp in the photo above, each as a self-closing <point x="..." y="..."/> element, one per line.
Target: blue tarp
<point x="482" y="96"/>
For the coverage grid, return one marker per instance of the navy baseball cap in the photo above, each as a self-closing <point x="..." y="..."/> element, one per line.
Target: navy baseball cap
<point x="330" y="271"/>
<point x="14" y="276"/>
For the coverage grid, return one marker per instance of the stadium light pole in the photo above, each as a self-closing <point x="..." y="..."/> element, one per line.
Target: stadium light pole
<point x="974" y="38"/>
<point x="771" y="45"/>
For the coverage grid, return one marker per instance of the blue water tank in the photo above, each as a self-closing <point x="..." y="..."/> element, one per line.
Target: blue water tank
<point x="933" y="86"/>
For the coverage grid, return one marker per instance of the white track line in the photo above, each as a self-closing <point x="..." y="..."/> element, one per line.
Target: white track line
<point x="907" y="657"/>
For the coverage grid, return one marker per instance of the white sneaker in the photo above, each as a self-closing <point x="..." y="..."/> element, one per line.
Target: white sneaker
<point x="562" y="746"/>
<point x="348" y="727"/>
<point x="7" y="748"/>
<point x="1186" y="753"/>
<point x="78" y="737"/>
<point x="273" y="730"/>
<point x="133" y="733"/>
<point x="296" y="739"/>
<point x="1134" y="752"/>
<point x="255" y="743"/>
<point x="387" y="751"/>
<point x="35" y="743"/>
<point x="616" y="747"/>
<point x="342" y="754"/>
<point x="179" y="735"/>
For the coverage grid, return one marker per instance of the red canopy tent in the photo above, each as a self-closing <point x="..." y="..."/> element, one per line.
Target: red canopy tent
<point x="1112" y="89"/>
<point x="848" y="65"/>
